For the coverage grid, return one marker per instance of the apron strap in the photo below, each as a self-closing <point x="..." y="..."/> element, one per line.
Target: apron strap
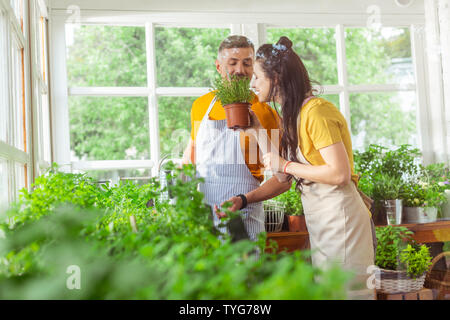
<point x="210" y="108"/>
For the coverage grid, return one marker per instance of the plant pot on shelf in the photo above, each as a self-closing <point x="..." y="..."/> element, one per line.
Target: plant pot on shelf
<point x="393" y="210"/>
<point x="419" y="214"/>
<point x="391" y="281"/>
<point x="297" y="224"/>
<point x="237" y="115"/>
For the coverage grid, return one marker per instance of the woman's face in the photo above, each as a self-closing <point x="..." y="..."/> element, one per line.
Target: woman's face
<point x="260" y="83"/>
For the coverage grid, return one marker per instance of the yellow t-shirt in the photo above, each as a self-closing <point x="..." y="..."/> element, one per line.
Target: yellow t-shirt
<point x="266" y="115"/>
<point x="321" y="125"/>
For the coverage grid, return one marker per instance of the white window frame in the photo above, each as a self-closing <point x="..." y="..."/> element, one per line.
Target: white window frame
<point x="8" y="151"/>
<point x="254" y="27"/>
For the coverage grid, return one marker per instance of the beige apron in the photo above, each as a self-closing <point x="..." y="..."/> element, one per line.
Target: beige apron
<point x="339" y="225"/>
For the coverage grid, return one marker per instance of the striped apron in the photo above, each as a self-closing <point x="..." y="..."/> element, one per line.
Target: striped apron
<point x="220" y="162"/>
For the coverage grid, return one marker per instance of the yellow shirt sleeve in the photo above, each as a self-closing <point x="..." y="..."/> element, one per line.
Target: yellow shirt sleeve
<point x="323" y="127"/>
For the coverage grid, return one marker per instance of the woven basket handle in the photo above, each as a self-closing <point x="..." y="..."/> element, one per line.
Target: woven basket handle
<point x="436" y="259"/>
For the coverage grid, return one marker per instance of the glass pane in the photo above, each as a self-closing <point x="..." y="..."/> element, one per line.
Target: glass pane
<point x="4" y="82"/>
<point x="106" y="56"/>
<point x="3" y="184"/>
<point x="387" y="119"/>
<point x="46" y="153"/>
<point x="333" y="98"/>
<point x="19" y="115"/>
<point x="20" y="178"/>
<point x="382" y="56"/>
<point x="109" y="128"/>
<point x="174" y="124"/>
<point x="185" y="57"/>
<point x="316" y="47"/>
<point x="139" y="176"/>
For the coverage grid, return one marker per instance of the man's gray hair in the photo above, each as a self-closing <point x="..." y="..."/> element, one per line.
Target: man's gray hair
<point x="236" y="41"/>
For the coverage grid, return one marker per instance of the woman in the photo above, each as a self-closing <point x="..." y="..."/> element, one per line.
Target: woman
<point x="316" y="150"/>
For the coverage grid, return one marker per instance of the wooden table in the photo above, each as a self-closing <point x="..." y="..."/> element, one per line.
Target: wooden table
<point x="432" y="232"/>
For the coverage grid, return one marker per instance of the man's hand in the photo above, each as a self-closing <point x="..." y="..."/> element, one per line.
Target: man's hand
<point x="236" y="204"/>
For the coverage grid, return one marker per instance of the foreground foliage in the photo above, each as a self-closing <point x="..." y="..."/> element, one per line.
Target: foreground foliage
<point x="68" y="223"/>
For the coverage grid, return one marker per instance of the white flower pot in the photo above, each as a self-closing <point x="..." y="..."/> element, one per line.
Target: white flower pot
<point x="419" y="214"/>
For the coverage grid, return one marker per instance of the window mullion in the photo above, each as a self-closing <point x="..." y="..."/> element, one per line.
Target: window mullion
<point x="60" y="115"/>
<point x="152" y="100"/>
<point x="344" y="99"/>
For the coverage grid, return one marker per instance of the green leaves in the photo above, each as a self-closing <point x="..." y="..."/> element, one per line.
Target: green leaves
<point x="417" y="259"/>
<point x="232" y="90"/>
<point x="292" y="201"/>
<point x="176" y="253"/>
<point x="390" y="241"/>
<point x="386" y="187"/>
<point x="397" y="251"/>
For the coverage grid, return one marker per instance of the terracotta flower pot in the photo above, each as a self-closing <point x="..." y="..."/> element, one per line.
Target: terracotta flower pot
<point x="297" y="224"/>
<point x="237" y="115"/>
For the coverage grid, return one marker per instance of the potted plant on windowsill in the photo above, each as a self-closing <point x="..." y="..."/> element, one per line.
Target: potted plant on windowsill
<point x="235" y="95"/>
<point x="402" y="264"/>
<point x="386" y="189"/>
<point x="422" y="202"/>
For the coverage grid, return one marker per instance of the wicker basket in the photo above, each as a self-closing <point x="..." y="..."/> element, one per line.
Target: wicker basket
<point x="391" y="281"/>
<point x="439" y="279"/>
<point x="274" y="215"/>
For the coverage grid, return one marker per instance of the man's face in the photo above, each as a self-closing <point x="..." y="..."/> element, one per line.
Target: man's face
<point x="236" y="61"/>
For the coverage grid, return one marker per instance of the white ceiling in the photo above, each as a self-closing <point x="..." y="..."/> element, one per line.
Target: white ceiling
<point x="247" y="6"/>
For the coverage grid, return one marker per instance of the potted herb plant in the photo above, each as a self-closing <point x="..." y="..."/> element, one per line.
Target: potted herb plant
<point x="386" y="188"/>
<point x="235" y="95"/>
<point x="378" y="160"/>
<point x="422" y="201"/>
<point x="439" y="174"/>
<point x="402" y="263"/>
<point x="293" y="208"/>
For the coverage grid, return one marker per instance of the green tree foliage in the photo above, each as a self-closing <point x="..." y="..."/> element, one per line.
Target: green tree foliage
<point x="105" y="128"/>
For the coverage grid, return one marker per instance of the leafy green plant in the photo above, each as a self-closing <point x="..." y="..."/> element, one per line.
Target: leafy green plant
<point x="417" y="259"/>
<point x="386" y="187"/>
<point x="397" y="251"/>
<point x="422" y="194"/>
<point x="232" y="90"/>
<point x="437" y="173"/>
<point x="390" y="241"/>
<point x="400" y="163"/>
<point x="175" y="253"/>
<point x="292" y="201"/>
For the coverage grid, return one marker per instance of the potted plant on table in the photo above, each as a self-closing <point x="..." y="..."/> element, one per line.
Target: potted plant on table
<point x="422" y="202"/>
<point x="402" y="263"/>
<point x="293" y="209"/>
<point x="386" y="188"/>
<point x="377" y="160"/>
<point x="235" y="95"/>
<point x="439" y="174"/>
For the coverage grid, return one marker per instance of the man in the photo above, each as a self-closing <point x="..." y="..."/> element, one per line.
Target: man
<point x="226" y="158"/>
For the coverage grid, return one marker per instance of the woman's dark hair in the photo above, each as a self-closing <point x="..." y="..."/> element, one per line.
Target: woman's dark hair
<point x="289" y="80"/>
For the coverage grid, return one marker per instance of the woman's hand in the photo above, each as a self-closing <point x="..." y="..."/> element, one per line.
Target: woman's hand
<point x="273" y="162"/>
<point x="255" y="125"/>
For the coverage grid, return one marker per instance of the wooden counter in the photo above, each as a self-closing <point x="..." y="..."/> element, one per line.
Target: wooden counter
<point x="432" y="232"/>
